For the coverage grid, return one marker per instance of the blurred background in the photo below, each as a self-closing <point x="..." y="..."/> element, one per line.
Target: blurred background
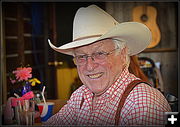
<point x="26" y="26"/>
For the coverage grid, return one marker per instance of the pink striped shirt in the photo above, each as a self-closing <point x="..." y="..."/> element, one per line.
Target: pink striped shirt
<point x="144" y="106"/>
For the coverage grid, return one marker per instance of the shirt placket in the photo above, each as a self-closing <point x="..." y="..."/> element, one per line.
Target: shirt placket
<point x="90" y="118"/>
<point x="99" y="109"/>
<point x="86" y="110"/>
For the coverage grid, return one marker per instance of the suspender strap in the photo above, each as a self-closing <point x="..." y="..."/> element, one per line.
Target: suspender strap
<point x="82" y="101"/>
<point x="128" y="89"/>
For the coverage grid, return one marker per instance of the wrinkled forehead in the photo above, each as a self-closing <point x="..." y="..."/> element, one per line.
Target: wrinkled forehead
<point x="105" y="44"/>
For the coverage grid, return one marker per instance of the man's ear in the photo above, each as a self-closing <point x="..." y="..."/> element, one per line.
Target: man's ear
<point x="124" y="53"/>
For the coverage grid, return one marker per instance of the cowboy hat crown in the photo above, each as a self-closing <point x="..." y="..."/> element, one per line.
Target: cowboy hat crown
<point x="92" y="24"/>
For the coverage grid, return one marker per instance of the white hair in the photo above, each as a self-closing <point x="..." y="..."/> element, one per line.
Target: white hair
<point x="120" y="44"/>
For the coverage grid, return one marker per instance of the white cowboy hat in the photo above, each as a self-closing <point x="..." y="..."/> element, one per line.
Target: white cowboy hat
<point x="92" y="24"/>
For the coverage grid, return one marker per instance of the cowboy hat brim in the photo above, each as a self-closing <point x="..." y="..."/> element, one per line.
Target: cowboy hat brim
<point x="136" y="35"/>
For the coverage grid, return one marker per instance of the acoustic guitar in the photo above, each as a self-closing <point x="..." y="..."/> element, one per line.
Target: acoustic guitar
<point x="147" y="15"/>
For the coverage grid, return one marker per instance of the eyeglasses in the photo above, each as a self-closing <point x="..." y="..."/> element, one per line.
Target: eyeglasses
<point x="96" y="57"/>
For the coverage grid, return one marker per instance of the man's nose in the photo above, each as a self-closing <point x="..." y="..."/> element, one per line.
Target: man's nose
<point x="90" y="65"/>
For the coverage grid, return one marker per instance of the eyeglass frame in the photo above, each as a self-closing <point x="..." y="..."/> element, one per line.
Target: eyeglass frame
<point x="93" y="55"/>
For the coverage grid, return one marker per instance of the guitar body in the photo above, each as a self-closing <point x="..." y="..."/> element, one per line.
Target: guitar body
<point x="147" y="15"/>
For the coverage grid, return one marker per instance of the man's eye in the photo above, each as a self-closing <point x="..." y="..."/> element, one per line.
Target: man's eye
<point x="99" y="53"/>
<point x="81" y="57"/>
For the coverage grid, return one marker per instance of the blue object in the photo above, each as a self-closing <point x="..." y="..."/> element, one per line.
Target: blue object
<point x="49" y="113"/>
<point x="26" y="88"/>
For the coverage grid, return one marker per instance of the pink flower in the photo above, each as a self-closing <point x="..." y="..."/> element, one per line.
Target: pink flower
<point x="23" y="73"/>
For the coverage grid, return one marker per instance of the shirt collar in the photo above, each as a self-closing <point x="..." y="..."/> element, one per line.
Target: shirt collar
<point x="120" y="82"/>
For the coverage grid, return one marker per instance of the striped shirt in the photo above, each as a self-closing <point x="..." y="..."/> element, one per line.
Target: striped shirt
<point x="144" y="105"/>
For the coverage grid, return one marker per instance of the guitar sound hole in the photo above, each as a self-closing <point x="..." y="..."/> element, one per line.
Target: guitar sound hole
<point x="144" y="18"/>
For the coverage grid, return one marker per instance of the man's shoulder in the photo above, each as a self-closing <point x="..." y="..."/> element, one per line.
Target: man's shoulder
<point x="79" y="92"/>
<point x="76" y="96"/>
<point x="146" y="89"/>
<point x="145" y="93"/>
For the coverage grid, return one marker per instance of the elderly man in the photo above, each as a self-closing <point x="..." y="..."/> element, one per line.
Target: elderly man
<point x="110" y="95"/>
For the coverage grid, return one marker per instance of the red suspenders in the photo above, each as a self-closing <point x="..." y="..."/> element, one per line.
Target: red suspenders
<point x="128" y="89"/>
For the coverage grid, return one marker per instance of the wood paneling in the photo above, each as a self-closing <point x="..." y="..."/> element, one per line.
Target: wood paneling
<point x="167" y="22"/>
<point x="23" y="47"/>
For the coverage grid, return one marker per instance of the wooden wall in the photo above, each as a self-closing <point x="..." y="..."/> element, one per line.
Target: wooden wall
<point x="23" y="40"/>
<point x="166" y="51"/>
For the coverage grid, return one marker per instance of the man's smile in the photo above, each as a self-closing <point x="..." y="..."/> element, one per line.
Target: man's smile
<point x="95" y="76"/>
